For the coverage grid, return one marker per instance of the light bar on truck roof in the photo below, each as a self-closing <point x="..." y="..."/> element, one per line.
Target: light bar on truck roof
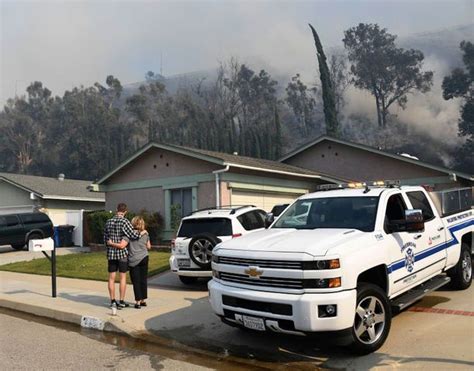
<point x="359" y="185"/>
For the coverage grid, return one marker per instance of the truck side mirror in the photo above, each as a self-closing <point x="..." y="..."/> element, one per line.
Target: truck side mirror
<point x="269" y="219"/>
<point x="414" y="221"/>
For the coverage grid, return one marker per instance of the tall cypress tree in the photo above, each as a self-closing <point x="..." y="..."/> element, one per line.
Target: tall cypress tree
<point x="329" y="101"/>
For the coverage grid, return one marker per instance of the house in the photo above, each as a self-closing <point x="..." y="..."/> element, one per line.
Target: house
<point x="358" y="162"/>
<point x="62" y="199"/>
<point x="165" y="177"/>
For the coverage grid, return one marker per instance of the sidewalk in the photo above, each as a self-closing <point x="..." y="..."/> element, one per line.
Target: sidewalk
<point x="86" y="303"/>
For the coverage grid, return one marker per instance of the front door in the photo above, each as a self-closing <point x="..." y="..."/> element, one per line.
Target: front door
<point x="403" y="246"/>
<point x="430" y="255"/>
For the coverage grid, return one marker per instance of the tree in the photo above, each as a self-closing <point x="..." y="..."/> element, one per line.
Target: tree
<point x="23" y="124"/>
<point x="330" y="113"/>
<point x="301" y="101"/>
<point x="340" y="80"/>
<point x="387" y="72"/>
<point x="460" y="84"/>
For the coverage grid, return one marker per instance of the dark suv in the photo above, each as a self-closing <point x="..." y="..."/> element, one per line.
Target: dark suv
<point x="18" y="229"/>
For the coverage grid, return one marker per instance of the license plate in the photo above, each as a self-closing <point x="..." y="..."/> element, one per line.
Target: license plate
<point x="254" y="323"/>
<point x="184" y="263"/>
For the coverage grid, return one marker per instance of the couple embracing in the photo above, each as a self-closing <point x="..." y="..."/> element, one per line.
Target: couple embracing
<point x="127" y="248"/>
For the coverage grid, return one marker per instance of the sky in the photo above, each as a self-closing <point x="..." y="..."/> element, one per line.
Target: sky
<point x="70" y="43"/>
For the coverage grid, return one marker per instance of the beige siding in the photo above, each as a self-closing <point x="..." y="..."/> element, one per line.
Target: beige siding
<point x="159" y="164"/>
<point x="356" y="164"/>
<point x="151" y="199"/>
<point x="263" y="200"/>
<point x="206" y="195"/>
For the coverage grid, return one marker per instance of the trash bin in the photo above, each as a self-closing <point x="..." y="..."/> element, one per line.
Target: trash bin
<point x="63" y="235"/>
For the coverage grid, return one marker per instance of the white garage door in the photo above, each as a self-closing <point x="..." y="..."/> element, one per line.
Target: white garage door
<point x="263" y="200"/>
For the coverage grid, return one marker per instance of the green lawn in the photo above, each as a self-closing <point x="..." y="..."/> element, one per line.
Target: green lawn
<point x="90" y="266"/>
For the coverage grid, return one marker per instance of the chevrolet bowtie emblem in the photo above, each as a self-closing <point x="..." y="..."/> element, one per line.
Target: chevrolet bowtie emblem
<point x="253" y="272"/>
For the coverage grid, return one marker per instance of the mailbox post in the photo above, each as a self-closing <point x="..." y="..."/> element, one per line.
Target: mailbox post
<point x="45" y="245"/>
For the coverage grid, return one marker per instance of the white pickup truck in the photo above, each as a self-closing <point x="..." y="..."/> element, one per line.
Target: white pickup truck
<point x="339" y="261"/>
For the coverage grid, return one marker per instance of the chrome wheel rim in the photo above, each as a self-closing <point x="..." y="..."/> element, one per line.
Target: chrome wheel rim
<point x="369" y="322"/>
<point x="202" y="250"/>
<point x="466" y="265"/>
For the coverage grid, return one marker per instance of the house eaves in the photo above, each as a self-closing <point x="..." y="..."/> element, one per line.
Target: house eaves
<point x="363" y="147"/>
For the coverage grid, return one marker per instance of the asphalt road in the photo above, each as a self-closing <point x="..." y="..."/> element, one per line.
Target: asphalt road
<point x="27" y="345"/>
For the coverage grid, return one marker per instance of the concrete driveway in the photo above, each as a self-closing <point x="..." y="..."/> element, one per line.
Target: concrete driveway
<point x="435" y="333"/>
<point x="9" y="255"/>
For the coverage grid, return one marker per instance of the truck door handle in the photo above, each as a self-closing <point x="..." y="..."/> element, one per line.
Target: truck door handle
<point x="440" y="229"/>
<point x="417" y="236"/>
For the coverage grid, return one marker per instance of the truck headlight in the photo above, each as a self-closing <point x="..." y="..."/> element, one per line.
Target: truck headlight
<point x="215" y="259"/>
<point x="322" y="264"/>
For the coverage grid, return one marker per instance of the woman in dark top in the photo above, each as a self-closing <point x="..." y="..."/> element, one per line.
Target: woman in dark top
<point x="137" y="260"/>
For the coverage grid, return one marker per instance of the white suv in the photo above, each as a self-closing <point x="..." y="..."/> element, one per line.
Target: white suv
<point x="199" y="233"/>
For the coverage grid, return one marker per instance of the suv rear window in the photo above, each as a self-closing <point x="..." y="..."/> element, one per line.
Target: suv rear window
<point x="34" y="218"/>
<point x="215" y="226"/>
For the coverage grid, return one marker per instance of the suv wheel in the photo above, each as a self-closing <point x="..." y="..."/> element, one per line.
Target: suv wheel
<point x="372" y="320"/>
<point x="18" y="247"/>
<point x="461" y="273"/>
<point x="200" y="249"/>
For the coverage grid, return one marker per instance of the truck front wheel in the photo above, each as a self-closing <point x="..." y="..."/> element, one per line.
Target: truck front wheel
<point x="461" y="273"/>
<point x="372" y="320"/>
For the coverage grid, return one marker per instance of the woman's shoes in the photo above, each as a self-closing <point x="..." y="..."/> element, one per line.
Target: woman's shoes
<point x="143" y="303"/>
<point x="137" y="306"/>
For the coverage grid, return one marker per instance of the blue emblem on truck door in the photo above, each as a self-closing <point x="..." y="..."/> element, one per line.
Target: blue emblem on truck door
<point x="409" y="249"/>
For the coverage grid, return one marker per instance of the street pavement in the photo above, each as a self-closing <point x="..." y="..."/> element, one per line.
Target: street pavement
<point x="21" y="348"/>
<point x="435" y="333"/>
<point x="9" y="255"/>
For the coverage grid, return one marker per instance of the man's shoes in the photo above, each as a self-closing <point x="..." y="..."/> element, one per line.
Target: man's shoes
<point x="113" y="303"/>
<point x="122" y="304"/>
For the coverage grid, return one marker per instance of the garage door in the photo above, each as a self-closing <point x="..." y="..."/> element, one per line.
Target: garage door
<point x="263" y="200"/>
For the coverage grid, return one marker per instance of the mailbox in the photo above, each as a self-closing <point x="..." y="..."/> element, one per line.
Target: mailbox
<point x="46" y="244"/>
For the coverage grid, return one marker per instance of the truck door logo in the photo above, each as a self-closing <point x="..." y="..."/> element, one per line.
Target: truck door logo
<point x="253" y="272"/>
<point x="409" y="249"/>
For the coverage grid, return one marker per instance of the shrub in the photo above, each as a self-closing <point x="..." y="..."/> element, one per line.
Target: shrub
<point x="95" y="224"/>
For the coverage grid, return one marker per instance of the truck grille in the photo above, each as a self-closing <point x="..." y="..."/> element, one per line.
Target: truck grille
<point x="277" y="264"/>
<point x="260" y="306"/>
<point x="286" y="283"/>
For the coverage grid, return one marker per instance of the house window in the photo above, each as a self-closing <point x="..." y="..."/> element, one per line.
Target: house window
<point x="184" y="199"/>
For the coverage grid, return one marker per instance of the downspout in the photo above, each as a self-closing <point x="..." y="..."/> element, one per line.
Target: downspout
<point x="218" y="186"/>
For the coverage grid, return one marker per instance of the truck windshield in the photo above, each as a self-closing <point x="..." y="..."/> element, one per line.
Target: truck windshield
<point x="332" y="212"/>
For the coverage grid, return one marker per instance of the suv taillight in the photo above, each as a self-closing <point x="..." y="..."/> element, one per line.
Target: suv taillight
<point x="173" y="243"/>
<point x="236" y="235"/>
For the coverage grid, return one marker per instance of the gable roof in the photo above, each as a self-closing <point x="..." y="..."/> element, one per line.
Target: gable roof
<point x="54" y="189"/>
<point x="225" y="159"/>
<point x="376" y="151"/>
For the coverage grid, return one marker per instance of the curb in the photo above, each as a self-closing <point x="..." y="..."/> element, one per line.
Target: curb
<point x="63" y="316"/>
<point x="119" y="328"/>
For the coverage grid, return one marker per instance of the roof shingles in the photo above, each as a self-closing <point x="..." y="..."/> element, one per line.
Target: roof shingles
<point x="54" y="188"/>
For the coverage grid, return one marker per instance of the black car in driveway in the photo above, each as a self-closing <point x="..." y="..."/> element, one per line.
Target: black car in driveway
<point x="17" y="229"/>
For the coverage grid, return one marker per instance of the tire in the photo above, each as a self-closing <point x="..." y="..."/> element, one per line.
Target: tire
<point x="18" y="247"/>
<point x="461" y="273"/>
<point x="372" y="320"/>
<point x="188" y="280"/>
<point x="200" y="249"/>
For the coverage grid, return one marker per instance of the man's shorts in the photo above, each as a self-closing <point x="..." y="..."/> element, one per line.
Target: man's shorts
<point x="118" y="265"/>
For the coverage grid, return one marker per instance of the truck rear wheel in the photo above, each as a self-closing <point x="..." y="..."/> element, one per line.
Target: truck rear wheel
<point x="372" y="320"/>
<point x="461" y="273"/>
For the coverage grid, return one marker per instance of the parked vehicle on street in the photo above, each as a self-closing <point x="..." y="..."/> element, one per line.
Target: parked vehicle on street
<point x="339" y="261"/>
<point x="17" y="229"/>
<point x="200" y="232"/>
